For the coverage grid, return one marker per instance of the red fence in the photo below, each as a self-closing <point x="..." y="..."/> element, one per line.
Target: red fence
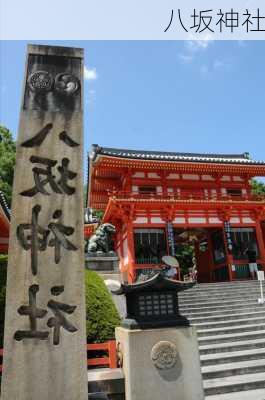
<point x="109" y="360"/>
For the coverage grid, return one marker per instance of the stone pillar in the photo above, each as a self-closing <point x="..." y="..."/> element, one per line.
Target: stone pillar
<point x="45" y="338"/>
<point x="160" y="363"/>
<point x="260" y="241"/>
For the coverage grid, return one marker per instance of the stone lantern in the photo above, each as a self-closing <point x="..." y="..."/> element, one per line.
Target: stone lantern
<point x="158" y="348"/>
<point x="153" y="303"/>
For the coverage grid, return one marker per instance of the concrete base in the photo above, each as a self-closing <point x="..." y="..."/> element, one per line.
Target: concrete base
<point x="105" y="381"/>
<point x="147" y="364"/>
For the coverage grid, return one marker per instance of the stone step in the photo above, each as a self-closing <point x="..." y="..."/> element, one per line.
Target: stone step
<point x="231" y="357"/>
<point x="232" y="347"/>
<point x="221" y="296"/>
<point x="258" y="394"/>
<point x="211" y="302"/>
<point x="219" y="324"/>
<point x="231" y="369"/>
<point x="205" y="340"/>
<point x="228" y="284"/>
<point x="230" y="330"/>
<point x="213" y="293"/>
<point x="231" y="335"/>
<point x="234" y="383"/>
<point x="221" y="311"/>
<point x="227" y="316"/>
<point x="219" y="307"/>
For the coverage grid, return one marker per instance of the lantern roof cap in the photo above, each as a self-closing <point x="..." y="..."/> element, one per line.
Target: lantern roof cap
<point x="157" y="282"/>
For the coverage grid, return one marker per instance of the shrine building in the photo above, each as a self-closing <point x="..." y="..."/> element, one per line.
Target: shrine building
<point x="157" y="199"/>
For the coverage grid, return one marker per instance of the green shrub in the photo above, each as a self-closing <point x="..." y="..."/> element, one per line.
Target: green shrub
<point x="102" y="316"/>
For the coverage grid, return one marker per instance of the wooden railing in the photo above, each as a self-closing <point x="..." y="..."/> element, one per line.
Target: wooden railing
<point x="187" y="195"/>
<point x="109" y="360"/>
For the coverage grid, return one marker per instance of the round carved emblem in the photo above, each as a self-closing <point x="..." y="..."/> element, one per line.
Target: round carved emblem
<point x="164" y="355"/>
<point x="40" y="81"/>
<point x="66" y="84"/>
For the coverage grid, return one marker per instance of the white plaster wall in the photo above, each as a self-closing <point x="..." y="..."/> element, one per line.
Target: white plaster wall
<point x="235" y="220"/>
<point x="197" y="220"/>
<point x="207" y="178"/>
<point x="138" y="175"/>
<point x="237" y="179"/>
<point x="191" y="177"/>
<point x="225" y="178"/>
<point x="173" y="176"/>
<point x="153" y="175"/>
<point x="247" y="220"/>
<point x="179" y="220"/>
<point x="141" y="220"/>
<point x="214" y="220"/>
<point x="156" y="220"/>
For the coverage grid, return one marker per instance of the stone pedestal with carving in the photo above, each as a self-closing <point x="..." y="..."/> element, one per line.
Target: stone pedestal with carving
<point x="102" y="263"/>
<point x="160" y="363"/>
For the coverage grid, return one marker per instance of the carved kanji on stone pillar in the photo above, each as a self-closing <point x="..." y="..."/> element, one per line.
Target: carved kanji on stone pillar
<point x="45" y="338"/>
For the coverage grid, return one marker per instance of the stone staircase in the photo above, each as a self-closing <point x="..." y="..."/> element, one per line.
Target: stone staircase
<point x="231" y="333"/>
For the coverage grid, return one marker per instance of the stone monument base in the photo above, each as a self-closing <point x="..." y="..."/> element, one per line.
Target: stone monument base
<point x="161" y="364"/>
<point x="102" y="263"/>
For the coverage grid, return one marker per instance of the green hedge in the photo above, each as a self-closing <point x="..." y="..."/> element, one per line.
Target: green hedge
<point x="102" y="316"/>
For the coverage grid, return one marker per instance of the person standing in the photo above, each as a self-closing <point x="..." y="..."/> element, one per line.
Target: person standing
<point x="252" y="261"/>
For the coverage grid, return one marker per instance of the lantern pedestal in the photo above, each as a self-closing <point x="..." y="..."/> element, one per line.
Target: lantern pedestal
<point x="161" y="363"/>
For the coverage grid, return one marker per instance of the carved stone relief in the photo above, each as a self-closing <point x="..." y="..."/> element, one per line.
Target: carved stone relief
<point x="164" y="355"/>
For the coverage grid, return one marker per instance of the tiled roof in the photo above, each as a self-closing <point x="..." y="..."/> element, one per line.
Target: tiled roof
<point x="170" y="156"/>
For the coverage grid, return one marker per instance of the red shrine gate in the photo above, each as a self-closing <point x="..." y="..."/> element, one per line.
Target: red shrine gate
<point x="150" y="196"/>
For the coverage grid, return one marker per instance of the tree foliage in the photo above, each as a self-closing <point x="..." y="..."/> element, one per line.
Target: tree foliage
<point x="7" y="162"/>
<point x="257" y="187"/>
<point x="184" y="254"/>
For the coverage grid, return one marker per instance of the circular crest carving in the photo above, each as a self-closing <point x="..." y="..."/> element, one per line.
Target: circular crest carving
<point x="66" y="84"/>
<point x="164" y="355"/>
<point x="40" y="81"/>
